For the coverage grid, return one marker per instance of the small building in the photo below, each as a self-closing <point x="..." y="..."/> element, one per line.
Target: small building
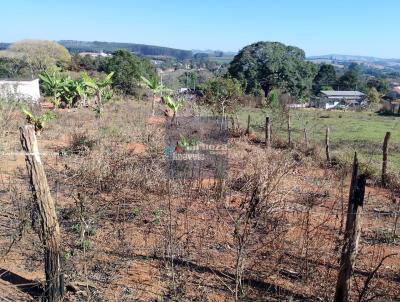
<point x="23" y="90"/>
<point x="330" y="99"/>
<point x="391" y="100"/>
<point x="95" y="54"/>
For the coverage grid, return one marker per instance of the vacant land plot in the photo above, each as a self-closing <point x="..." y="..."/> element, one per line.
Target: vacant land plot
<point x="349" y="131"/>
<point x="271" y="230"/>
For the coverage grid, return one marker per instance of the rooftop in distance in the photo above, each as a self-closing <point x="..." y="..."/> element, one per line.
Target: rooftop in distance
<point x="334" y="93"/>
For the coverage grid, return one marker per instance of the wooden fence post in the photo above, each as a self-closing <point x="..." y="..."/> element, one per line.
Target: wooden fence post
<point x="327" y="145"/>
<point x="267" y="132"/>
<point x="352" y="234"/>
<point x="49" y="230"/>
<point x="305" y="137"/>
<point x="248" y="125"/>
<point x="289" y="128"/>
<point x="384" y="161"/>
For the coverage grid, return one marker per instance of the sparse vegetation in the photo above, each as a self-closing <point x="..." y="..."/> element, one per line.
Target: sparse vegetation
<point x="204" y="206"/>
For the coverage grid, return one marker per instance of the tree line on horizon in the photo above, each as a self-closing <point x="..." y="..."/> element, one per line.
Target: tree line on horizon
<point x="261" y="69"/>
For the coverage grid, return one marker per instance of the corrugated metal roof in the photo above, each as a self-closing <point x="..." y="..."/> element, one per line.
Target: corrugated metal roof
<point x="341" y="93"/>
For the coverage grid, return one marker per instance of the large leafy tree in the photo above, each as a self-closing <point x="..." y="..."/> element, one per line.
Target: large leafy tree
<point x="374" y="96"/>
<point x="38" y="55"/>
<point x="325" y="78"/>
<point x="192" y="79"/>
<point x="273" y="65"/>
<point x="13" y="68"/>
<point x="350" y="80"/>
<point x="128" y="70"/>
<point x="381" y="85"/>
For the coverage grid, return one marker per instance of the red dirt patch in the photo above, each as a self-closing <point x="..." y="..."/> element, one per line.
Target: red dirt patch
<point x="156" y="120"/>
<point x="136" y="148"/>
<point x="47" y="105"/>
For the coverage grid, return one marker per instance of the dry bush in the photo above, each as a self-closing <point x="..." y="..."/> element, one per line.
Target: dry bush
<point x="260" y="218"/>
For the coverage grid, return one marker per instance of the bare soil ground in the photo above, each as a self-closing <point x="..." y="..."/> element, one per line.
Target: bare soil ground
<point x="149" y="238"/>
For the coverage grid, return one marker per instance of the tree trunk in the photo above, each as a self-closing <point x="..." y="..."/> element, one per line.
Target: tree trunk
<point x="49" y="230"/>
<point x="327" y="145"/>
<point x="352" y="234"/>
<point x="267" y="132"/>
<point x="384" y="160"/>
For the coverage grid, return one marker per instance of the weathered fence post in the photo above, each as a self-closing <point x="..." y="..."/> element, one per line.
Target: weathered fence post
<point x="49" y="231"/>
<point x="385" y="156"/>
<point x="305" y="137"/>
<point x="289" y="128"/>
<point x="267" y="133"/>
<point x="248" y="125"/>
<point x="352" y="234"/>
<point x="327" y="145"/>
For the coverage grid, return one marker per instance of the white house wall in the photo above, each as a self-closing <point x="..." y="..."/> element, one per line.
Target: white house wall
<point x="26" y="90"/>
<point x="331" y="105"/>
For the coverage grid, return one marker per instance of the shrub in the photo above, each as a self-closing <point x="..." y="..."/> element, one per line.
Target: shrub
<point x="81" y="143"/>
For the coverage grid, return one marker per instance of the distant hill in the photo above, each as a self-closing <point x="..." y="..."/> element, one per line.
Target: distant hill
<point x="350" y="58"/>
<point x="4" y="45"/>
<point x="109" y="47"/>
<point x="369" y="65"/>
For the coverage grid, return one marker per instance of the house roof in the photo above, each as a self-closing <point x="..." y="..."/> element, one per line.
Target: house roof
<point x="333" y="93"/>
<point x="394" y="94"/>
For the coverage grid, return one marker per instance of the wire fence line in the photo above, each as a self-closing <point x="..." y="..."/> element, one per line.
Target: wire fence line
<point x="203" y="236"/>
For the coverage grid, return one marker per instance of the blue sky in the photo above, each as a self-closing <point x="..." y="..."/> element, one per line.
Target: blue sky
<point x="356" y="27"/>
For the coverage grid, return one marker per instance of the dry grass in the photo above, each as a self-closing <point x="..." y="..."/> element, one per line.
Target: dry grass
<point x="275" y="221"/>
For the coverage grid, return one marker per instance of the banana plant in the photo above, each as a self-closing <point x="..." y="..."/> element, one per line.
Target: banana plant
<point x="97" y="88"/>
<point x="175" y="105"/>
<point x="74" y="91"/>
<point x="38" y="121"/>
<point x="52" y="85"/>
<point x="186" y="143"/>
<point x="156" y="88"/>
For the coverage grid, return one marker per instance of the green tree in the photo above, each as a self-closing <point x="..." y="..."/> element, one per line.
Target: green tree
<point x="325" y="78"/>
<point x="273" y="99"/>
<point x="38" y="55"/>
<point x="350" y="80"/>
<point x="128" y="69"/>
<point x="175" y="105"/>
<point x="222" y="94"/>
<point x="87" y="63"/>
<point x="381" y="85"/>
<point x="98" y="87"/>
<point x="192" y="79"/>
<point x="189" y="79"/>
<point x="273" y="65"/>
<point x="156" y="88"/>
<point x="13" y="68"/>
<point x="374" y="96"/>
